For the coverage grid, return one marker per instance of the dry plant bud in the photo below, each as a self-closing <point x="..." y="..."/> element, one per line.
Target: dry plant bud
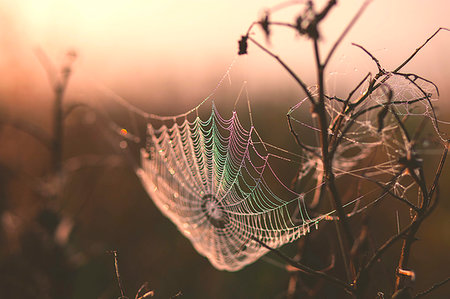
<point x="243" y="45"/>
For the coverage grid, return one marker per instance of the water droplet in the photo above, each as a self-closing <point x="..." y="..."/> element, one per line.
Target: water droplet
<point x="123" y="144"/>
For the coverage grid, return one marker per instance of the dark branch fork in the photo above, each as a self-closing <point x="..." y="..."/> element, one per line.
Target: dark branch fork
<point x="340" y="126"/>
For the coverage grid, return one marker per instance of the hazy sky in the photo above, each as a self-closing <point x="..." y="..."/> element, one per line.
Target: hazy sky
<point x="146" y="47"/>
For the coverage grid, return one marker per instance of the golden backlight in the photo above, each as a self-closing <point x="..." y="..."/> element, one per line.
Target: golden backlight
<point x="188" y="45"/>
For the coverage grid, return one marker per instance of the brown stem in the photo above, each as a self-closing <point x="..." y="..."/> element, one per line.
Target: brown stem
<point x="116" y="267"/>
<point x="297" y="138"/>
<point x="418" y="49"/>
<point x="343" y="229"/>
<point x="346" y="30"/>
<point x="287" y="68"/>
<point x="417" y="221"/>
<point x="306" y="269"/>
<point x="434" y="287"/>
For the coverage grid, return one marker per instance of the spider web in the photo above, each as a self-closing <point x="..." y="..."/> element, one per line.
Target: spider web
<point x="222" y="185"/>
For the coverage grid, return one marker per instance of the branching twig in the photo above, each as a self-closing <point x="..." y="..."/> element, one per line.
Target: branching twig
<point x="287" y="68"/>
<point x="418" y="49"/>
<point x="297" y="138"/>
<point x="346" y="30"/>
<point x="306" y="269"/>
<point x="380" y="69"/>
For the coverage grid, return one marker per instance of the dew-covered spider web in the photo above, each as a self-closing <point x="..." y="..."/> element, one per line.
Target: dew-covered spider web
<point x="224" y="187"/>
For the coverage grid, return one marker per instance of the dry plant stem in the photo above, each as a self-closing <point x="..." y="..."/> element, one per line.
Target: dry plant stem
<point x="327" y="159"/>
<point x="116" y="267"/>
<point x="418" y="219"/>
<point x="58" y="130"/>
<point x="337" y="122"/>
<point x="379" y="252"/>
<point x="418" y="49"/>
<point x="306" y="269"/>
<point x="297" y="138"/>
<point x="60" y="85"/>
<point x="387" y="189"/>
<point x="413" y="54"/>
<point x="345" y="236"/>
<point x="382" y="249"/>
<point x="434" y="287"/>
<point x="346" y="30"/>
<point x="287" y="68"/>
<point x="380" y="69"/>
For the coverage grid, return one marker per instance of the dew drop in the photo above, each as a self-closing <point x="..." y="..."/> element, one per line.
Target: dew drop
<point x="123" y="144"/>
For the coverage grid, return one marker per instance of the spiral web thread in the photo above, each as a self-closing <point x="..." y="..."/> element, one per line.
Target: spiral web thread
<point x="220" y="184"/>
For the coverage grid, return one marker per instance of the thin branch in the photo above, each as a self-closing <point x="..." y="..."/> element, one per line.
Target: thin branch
<point x="434" y="287"/>
<point x="297" y="139"/>
<point x="387" y="190"/>
<point x="281" y="24"/>
<point x="343" y="230"/>
<point x="116" y="267"/>
<point x="362" y="112"/>
<point x="346" y="30"/>
<point x="380" y="69"/>
<point x="425" y="94"/>
<point x="380" y="251"/>
<point x="439" y="170"/>
<point x="357" y="87"/>
<point x="338" y="120"/>
<point x="287" y="68"/>
<point x="306" y="269"/>
<point x="415" y="77"/>
<point x="418" y="49"/>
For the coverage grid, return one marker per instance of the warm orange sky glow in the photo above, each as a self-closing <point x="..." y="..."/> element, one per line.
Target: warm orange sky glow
<point x="188" y="45"/>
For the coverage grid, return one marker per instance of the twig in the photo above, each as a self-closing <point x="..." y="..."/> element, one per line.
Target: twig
<point x="342" y="226"/>
<point x="439" y="170"/>
<point x="287" y="68"/>
<point x="380" y="69"/>
<point x="423" y="213"/>
<point x="418" y="49"/>
<point x="116" y="267"/>
<point x="297" y="139"/>
<point x="306" y="269"/>
<point x="433" y="287"/>
<point x="178" y="294"/>
<point x="346" y="30"/>
<point x="379" y="252"/>
<point x="387" y="190"/>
